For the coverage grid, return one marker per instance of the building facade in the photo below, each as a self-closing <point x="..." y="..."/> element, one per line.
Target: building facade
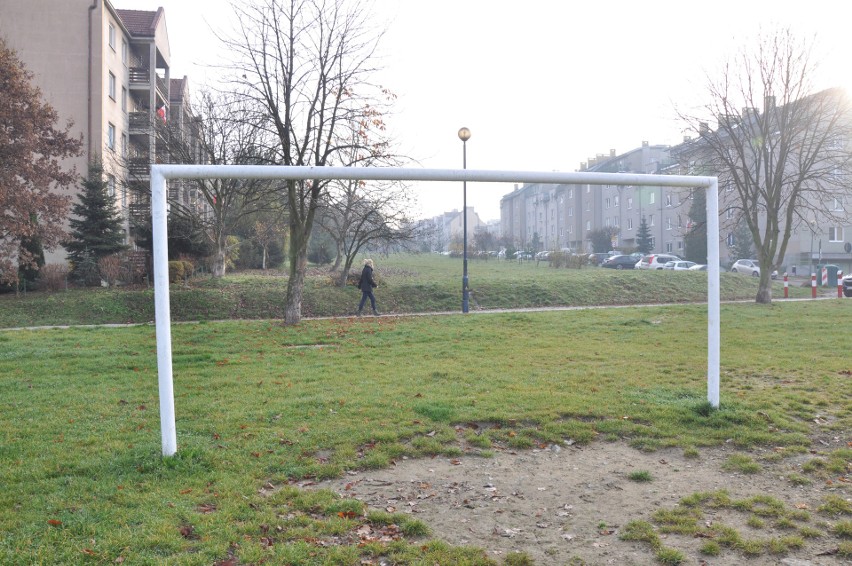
<point x="554" y="217"/>
<point x="108" y="72"/>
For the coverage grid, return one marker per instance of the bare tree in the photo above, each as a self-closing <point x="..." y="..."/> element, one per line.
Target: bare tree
<point x="358" y="214"/>
<point x="778" y="149"/>
<point x="221" y="134"/>
<point x="306" y="65"/>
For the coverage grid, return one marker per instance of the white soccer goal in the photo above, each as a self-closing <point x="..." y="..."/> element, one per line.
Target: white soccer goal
<point x="159" y="211"/>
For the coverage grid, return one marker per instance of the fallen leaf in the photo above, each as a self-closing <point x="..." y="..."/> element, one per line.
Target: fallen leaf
<point x="88" y="551"/>
<point x="54" y="522"/>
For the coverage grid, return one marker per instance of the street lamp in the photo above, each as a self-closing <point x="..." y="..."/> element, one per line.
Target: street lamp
<point x="464" y="135"/>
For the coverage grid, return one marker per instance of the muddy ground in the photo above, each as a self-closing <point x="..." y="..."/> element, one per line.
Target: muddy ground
<point x="567" y="504"/>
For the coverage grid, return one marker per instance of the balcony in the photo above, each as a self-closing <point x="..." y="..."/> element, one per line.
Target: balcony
<point x="140" y="77"/>
<point x="140" y="123"/>
<point x="139" y="167"/>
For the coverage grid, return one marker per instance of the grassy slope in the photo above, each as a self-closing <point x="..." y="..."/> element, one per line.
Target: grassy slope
<point x="419" y="283"/>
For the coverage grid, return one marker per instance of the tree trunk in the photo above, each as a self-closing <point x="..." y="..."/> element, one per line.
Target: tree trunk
<point x="263" y="264"/>
<point x="764" y="290"/>
<point x="295" y="285"/>
<point x="218" y="267"/>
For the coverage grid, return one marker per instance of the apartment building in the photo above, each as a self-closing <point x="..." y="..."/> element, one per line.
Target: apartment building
<point x="107" y="71"/>
<point x="553" y="217"/>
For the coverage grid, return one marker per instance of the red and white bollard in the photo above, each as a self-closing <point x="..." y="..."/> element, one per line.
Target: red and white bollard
<point x="813" y="285"/>
<point x="786" y="290"/>
<point x="839" y="284"/>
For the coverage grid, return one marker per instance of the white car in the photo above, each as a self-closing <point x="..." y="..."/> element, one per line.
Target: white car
<point x="655" y="261"/>
<point x="749" y="267"/>
<point x="679" y="265"/>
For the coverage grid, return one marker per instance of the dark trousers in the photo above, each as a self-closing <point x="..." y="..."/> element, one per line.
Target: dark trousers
<point x="364" y="295"/>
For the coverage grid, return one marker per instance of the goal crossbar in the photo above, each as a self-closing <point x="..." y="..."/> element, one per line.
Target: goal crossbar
<point x="159" y="215"/>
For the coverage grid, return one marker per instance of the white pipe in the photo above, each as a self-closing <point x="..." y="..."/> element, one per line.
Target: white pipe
<point x="162" y="316"/>
<point x="713" y="294"/>
<point x="159" y="212"/>
<point x="410" y="174"/>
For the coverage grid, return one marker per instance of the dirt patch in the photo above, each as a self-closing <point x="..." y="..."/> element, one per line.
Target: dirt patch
<point x="568" y="504"/>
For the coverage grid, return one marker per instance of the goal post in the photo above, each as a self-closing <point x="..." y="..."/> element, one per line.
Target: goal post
<point x="159" y="214"/>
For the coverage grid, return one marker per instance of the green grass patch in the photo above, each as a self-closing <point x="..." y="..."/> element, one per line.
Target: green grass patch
<point x="261" y="406"/>
<point x="741" y="463"/>
<point x="640" y="476"/>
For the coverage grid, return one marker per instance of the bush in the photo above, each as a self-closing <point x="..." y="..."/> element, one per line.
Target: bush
<point x="188" y="268"/>
<point x="53" y="276"/>
<point x="176" y="271"/>
<point x="110" y="268"/>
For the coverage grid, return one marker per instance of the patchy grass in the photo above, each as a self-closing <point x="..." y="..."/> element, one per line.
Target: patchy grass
<point x="688" y="519"/>
<point x="741" y="463"/>
<point x="640" y="476"/>
<point x="262" y="407"/>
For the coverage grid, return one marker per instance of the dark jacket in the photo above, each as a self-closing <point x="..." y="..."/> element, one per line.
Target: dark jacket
<point x="366" y="283"/>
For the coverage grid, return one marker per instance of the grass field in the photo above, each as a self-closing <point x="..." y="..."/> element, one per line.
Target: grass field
<point x="260" y="406"/>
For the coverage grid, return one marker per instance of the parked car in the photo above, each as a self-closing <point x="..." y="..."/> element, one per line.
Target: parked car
<point x="750" y="267"/>
<point x="698" y="267"/>
<point x="847" y="285"/>
<point x="619" y="262"/>
<point x="542" y="256"/>
<point x="523" y="255"/>
<point x="597" y="258"/>
<point x="678" y="265"/>
<point x="655" y="261"/>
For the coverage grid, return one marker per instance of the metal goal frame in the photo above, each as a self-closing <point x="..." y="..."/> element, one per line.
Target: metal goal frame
<point x="159" y="214"/>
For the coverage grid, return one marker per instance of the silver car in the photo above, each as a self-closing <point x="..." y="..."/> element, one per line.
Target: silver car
<point x="749" y="267"/>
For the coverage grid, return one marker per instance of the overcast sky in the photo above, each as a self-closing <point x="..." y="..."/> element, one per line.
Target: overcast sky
<point x="542" y="84"/>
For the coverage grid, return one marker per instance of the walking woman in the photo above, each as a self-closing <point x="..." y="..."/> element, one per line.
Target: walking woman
<point x="367" y="284"/>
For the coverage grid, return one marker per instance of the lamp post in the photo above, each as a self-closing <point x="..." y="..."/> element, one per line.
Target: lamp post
<point x="464" y="135"/>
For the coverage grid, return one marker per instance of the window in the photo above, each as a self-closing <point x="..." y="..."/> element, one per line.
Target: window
<point x="679" y="244"/>
<point x="570" y="229"/>
<point x="651" y="198"/>
<point x="629" y="203"/>
<point x="729" y="240"/>
<point x="729" y="213"/>
<point x="838" y="203"/>
<point x="668" y="200"/>
<point x="124" y="51"/>
<point x="630" y="224"/>
<point x="679" y="221"/>
<point x="570" y="193"/>
<point x="615" y="200"/>
<point x="607" y="203"/>
<point x="570" y="211"/>
<point x="111" y="36"/>
<point x="111" y="86"/>
<point x="650" y="220"/>
<point x="111" y="137"/>
<point x="588" y="189"/>
<point x="729" y="186"/>
<point x="588" y="225"/>
<point x="616" y="221"/>
<point x="111" y="186"/>
<point x="835" y="233"/>
<point x="606" y="222"/>
<point x="124" y="98"/>
<point x="668" y="224"/>
<point x="669" y="247"/>
<point x="588" y="205"/>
